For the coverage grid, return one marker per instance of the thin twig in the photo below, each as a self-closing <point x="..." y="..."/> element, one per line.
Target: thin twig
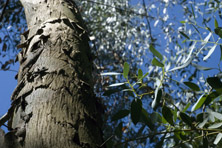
<point x="147" y="19"/>
<point x="106" y="141"/>
<point x="167" y="132"/>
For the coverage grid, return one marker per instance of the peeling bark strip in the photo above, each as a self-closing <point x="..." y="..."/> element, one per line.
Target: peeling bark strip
<point x="53" y="104"/>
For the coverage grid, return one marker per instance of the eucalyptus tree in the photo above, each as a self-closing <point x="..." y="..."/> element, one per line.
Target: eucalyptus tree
<point x="53" y="104"/>
<point x="151" y="54"/>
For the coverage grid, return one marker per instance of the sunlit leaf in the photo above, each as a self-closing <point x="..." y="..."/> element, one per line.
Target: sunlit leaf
<point x="192" y="86"/>
<point x="217" y="115"/>
<point x="126" y="70"/>
<point x="201" y="125"/>
<point x="142" y="77"/>
<point x="136" y="108"/>
<point x="215" y="23"/>
<point x="190" y="54"/>
<point x="110" y="74"/>
<point x="120" y="114"/>
<point x="116" y="84"/>
<point x="218" y="138"/>
<point x="183" y="66"/>
<point x="210" y="52"/>
<point x="157" y="98"/>
<point x="156" y="53"/>
<point x="186" y="107"/>
<point x="140" y="74"/>
<point x="183" y="22"/>
<point x="201" y="67"/>
<point x="157" y="63"/>
<point x="199" y="102"/>
<point x="215" y="125"/>
<point x="207" y="37"/>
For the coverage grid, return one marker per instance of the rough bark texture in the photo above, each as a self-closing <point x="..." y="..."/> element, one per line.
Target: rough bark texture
<point x="53" y="105"/>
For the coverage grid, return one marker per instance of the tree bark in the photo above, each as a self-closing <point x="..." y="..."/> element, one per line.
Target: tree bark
<point x="53" y="105"/>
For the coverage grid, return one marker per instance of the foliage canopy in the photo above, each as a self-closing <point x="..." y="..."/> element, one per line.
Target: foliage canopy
<point x="151" y="73"/>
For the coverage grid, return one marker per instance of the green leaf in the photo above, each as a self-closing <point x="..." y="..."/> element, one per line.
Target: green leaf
<point x="205" y="142"/>
<point x="186" y="119"/>
<point x="136" y="108"/>
<point x="193" y="11"/>
<point x="120" y="114"/>
<point x="182" y="22"/>
<point x="216" y="125"/>
<point x="168" y="115"/>
<point x="201" y="67"/>
<point x="201" y="125"/>
<point x="157" y="63"/>
<point x="116" y="84"/>
<point x="192" y="86"/>
<point x="156" y="53"/>
<point x="183" y="34"/>
<point x="126" y="70"/>
<point x="142" y="77"/>
<point x="217" y="115"/>
<point x="186" y="107"/>
<point x="218" y="138"/>
<point x="210" y="52"/>
<point x="218" y="31"/>
<point x="158" y="96"/>
<point x="146" y="119"/>
<point x="182" y="66"/>
<point x="199" y="102"/>
<point x="200" y="117"/>
<point x="118" y="130"/>
<point x="215" y="83"/>
<point x="140" y="74"/>
<point x="207" y="37"/>
<point x="220" y="52"/>
<point x="155" y="116"/>
<point x="195" y="28"/>
<point x="175" y="115"/>
<point x="215" y="23"/>
<point x="190" y="55"/>
<point x="110" y="74"/>
<point x="213" y="95"/>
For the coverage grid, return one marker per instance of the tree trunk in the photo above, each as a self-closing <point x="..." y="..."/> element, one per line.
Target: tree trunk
<point x="53" y="105"/>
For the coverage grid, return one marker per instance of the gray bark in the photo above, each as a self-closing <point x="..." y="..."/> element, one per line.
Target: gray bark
<point x="53" y="105"/>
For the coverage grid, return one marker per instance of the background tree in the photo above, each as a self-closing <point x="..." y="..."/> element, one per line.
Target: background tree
<point x="164" y="43"/>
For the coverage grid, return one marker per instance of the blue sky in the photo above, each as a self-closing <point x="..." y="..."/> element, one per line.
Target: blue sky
<point x="7" y="85"/>
<point x="8" y="82"/>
